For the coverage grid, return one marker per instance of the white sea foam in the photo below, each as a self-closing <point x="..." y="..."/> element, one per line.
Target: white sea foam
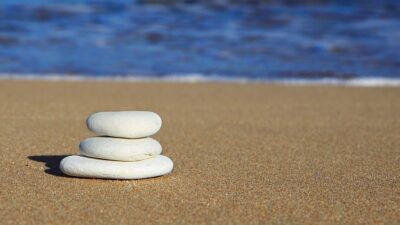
<point x="200" y="78"/>
<point x="356" y="82"/>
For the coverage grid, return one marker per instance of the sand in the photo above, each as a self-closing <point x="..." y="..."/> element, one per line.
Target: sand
<point x="244" y="154"/>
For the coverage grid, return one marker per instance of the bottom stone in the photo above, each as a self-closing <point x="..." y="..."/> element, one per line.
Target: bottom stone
<point x="80" y="166"/>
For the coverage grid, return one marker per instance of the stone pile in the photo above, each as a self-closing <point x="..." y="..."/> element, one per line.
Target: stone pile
<point x="123" y="149"/>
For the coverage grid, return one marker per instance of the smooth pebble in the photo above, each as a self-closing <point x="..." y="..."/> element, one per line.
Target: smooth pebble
<point x="120" y="149"/>
<point x="124" y="124"/>
<point x="80" y="166"/>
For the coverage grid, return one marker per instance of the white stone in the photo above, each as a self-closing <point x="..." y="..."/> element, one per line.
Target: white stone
<point x="80" y="166"/>
<point x="124" y="124"/>
<point x="120" y="149"/>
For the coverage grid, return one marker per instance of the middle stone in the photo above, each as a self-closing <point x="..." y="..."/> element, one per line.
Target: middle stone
<point x="120" y="149"/>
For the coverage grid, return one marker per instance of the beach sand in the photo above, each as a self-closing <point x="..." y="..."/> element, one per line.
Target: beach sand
<point x="243" y="154"/>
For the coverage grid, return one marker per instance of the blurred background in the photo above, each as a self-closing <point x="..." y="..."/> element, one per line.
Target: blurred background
<point x="217" y="40"/>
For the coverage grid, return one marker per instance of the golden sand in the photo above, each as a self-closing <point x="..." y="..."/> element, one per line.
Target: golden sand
<point x="244" y="154"/>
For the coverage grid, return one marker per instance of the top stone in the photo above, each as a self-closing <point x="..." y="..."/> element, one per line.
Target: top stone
<point x="124" y="124"/>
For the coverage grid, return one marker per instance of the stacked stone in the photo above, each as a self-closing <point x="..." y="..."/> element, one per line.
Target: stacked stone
<point x="123" y="150"/>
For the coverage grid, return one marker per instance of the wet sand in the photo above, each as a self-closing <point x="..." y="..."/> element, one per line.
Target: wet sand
<point x="244" y="154"/>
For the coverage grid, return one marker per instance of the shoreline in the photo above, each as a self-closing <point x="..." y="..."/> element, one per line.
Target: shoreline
<point x="199" y="78"/>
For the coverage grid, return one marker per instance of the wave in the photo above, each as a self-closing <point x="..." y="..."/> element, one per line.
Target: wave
<point x="200" y="78"/>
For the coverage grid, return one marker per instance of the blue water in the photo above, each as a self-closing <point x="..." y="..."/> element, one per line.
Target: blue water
<point x="275" y="40"/>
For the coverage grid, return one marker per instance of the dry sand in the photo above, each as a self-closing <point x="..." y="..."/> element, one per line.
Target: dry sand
<point x="244" y="154"/>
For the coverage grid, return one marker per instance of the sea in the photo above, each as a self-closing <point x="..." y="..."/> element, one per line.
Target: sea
<point x="295" y="42"/>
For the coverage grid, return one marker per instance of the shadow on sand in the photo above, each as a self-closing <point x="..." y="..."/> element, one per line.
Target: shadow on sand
<point x="52" y="163"/>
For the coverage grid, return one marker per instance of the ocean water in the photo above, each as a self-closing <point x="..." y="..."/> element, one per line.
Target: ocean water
<point x="292" y="41"/>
